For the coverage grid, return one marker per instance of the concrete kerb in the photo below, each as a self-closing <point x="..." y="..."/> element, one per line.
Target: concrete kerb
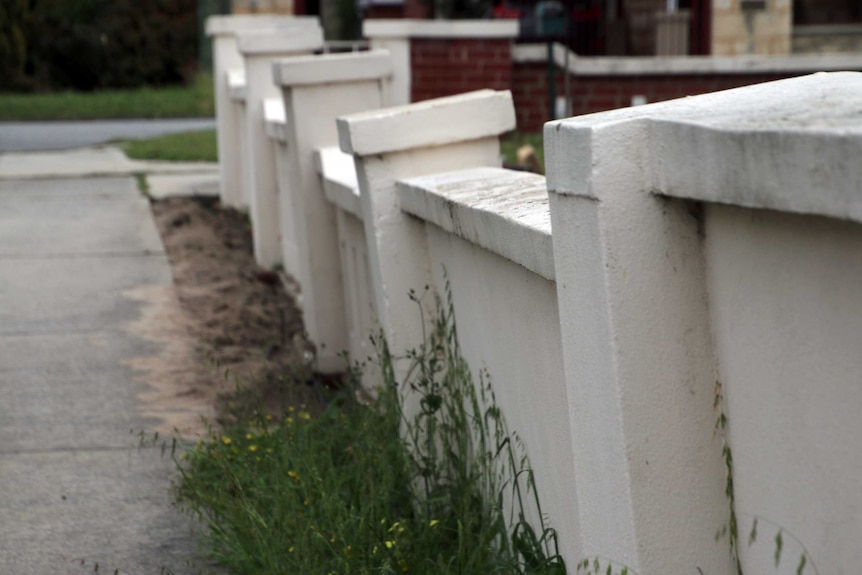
<point x="164" y="178"/>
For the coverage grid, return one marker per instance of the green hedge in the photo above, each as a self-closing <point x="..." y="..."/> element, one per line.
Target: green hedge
<point x="101" y="44"/>
<point x="14" y="19"/>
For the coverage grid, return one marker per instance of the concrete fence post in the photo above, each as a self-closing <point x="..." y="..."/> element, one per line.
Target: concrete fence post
<point x="260" y="180"/>
<point x="226" y="57"/>
<point x="637" y="351"/>
<point x="316" y="90"/>
<point x="414" y="140"/>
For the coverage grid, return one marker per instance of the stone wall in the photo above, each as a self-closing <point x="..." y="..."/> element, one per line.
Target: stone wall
<point x="737" y="32"/>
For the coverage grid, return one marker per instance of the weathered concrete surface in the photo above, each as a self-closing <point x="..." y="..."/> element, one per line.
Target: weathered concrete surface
<point x="74" y="484"/>
<point x="100" y="161"/>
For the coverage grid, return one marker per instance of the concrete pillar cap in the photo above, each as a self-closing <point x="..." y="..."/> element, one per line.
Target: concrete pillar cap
<point x="332" y="68"/>
<point x="461" y="118"/>
<point x="280" y="42"/>
<point x="230" y="25"/>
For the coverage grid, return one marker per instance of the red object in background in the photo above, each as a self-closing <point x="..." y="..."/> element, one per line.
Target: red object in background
<point x="504" y="12"/>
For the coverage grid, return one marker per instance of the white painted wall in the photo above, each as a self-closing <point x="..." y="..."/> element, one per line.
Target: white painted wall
<point x="785" y="305"/>
<point x="508" y="323"/>
<point x="259" y="172"/>
<point x="226" y="57"/>
<point x="316" y="90"/>
<point x="661" y="297"/>
<point x="703" y="240"/>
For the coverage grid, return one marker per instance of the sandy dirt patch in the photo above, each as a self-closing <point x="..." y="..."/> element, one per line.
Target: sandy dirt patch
<point x="230" y="336"/>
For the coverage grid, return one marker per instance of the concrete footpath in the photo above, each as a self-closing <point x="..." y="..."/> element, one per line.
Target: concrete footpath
<point x="76" y="235"/>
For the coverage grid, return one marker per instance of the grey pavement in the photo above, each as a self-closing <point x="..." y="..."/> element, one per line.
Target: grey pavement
<point x="31" y="136"/>
<point x="76" y="489"/>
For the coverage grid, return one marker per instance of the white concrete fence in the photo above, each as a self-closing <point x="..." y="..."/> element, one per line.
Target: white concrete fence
<point x="704" y="263"/>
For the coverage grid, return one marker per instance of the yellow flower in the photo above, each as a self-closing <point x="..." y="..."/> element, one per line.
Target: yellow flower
<point x="290" y="549"/>
<point x="249" y="436"/>
<point x="290" y="421"/>
<point x="252" y="448"/>
<point x="390" y="544"/>
<point x="348" y="550"/>
<point x="291" y="409"/>
<point x="374" y="551"/>
<point x="225" y="439"/>
<point x="395" y="526"/>
<point x="293" y="475"/>
<point x="433" y="522"/>
<point x="304" y="415"/>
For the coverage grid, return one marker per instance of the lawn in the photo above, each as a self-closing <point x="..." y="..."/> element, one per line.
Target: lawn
<point x="185" y="147"/>
<point x="194" y="100"/>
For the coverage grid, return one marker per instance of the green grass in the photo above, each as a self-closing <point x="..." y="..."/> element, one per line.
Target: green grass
<point x="342" y="492"/>
<point x="194" y="100"/>
<point x="197" y="146"/>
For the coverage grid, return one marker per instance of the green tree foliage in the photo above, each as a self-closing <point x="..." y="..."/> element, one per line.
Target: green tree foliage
<point x="14" y="17"/>
<point x="98" y="44"/>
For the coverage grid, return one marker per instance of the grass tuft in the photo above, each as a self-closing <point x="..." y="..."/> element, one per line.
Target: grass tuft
<point x="364" y="488"/>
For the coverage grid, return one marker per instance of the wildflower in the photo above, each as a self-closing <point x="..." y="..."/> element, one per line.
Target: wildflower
<point x="225" y="439"/>
<point x="252" y="448"/>
<point x="290" y="549"/>
<point x="347" y="550"/>
<point x="433" y="522"/>
<point x="389" y="544"/>
<point x="293" y="475"/>
<point x="304" y="415"/>
<point x="395" y="526"/>
<point x="249" y="436"/>
<point x="269" y="449"/>
<point x="289" y="421"/>
<point x="374" y="550"/>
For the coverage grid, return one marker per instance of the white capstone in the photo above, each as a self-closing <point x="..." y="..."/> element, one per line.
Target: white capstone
<point x="471" y="116"/>
<point x="672" y="65"/>
<point x="279" y="42"/>
<point x="275" y="118"/>
<point x="404" y="28"/>
<point x="339" y="179"/>
<point x="335" y="68"/>
<point x="503" y="211"/>
<point x="236" y="85"/>
<point x="228" y="25"/>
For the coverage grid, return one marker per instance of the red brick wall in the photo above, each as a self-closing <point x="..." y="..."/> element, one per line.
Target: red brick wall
<point x="444" y="67"/>
<point x="599" y="93"/>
